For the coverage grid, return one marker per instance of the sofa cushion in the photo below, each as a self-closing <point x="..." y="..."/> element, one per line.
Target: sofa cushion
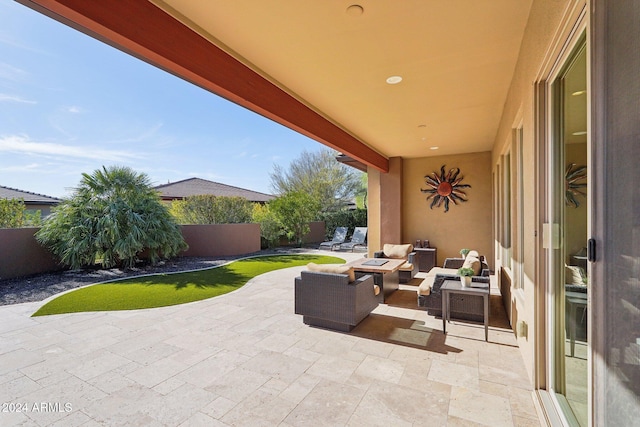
<point x="397" y="251"/>
<point x="376" y="290"/>
<point x="474" y="264"/>
<point x="407" y="266"/>
<point x="573" y="275"/>
<point x="473" y="254"/>
<point x="333" y="268"/>
<point x="425" y="286"/>
<point x="442" y="270"/>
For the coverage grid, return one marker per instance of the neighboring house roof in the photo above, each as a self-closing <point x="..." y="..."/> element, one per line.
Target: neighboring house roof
<point x="198" y="186"/>
<point x="27" y="196"/>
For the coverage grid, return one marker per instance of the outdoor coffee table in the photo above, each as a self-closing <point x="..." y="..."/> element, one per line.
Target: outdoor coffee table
<point x="384" y="270"/>
<point x="455" y="287"/>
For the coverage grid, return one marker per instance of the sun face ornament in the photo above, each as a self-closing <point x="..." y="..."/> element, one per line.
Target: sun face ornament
<point x="573" y="188"/>
<point x="445" y="188"/>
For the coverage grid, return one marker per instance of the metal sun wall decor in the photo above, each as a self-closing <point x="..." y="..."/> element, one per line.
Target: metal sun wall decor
<point x="572" y="186"/>
<point x="445" y="188"/>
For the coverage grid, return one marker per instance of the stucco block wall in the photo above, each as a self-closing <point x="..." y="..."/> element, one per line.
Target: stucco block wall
<point x="21" y="255"/>
<point x="221" y="239"/>
<point x="316" y="233"/>
<point x="537" y="52"/>
<point x="466" y="225"/>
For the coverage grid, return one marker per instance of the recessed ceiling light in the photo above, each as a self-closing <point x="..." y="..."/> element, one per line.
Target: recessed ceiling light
<point x="355" y="10"/>
<point x="394" y="80"/>
<point x="433" y="148"/>
<point x="579" y="92"/>
<point x="582" y="132"/>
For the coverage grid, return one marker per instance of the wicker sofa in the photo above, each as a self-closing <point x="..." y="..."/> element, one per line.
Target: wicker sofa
<point x="332" y="301"/>
<point x="469" y="307"/>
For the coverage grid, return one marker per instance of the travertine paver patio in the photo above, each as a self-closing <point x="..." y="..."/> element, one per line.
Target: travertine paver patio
<point x="246" y="359"/>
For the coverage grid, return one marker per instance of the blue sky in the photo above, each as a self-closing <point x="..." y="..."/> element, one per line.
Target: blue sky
<point x="70" y="104"/>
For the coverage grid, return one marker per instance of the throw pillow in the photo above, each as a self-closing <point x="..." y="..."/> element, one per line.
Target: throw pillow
<point x="473" y="263"/>
<point x="333" y="268"/>
<point x="396" y="251"/>
<point x="573" y="275"/>
<point x="473" y="254"/>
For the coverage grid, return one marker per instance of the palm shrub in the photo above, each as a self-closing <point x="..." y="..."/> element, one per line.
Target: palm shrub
<point x="114" y="214"/>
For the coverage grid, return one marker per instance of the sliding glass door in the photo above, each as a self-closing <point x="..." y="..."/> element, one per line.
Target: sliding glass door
<point x="568" y="235"/>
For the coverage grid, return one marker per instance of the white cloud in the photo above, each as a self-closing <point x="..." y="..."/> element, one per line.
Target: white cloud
<point x="11" y="73"/>
<point x="22" y="168"/>
<point x="10" y="98"/>
<point x="74" y="110"/>
<point x="22" y="145"/>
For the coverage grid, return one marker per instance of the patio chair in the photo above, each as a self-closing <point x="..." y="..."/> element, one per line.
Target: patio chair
<point x="334" y="300"/>
<point x="358" y="239"/>
<point x="339" y="237"/>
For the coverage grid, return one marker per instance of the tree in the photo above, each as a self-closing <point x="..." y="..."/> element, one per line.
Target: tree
<point x="362" y="192"/>
<point x="295" y="210"/>
<point x="209" y="209"/>
<point x="11" y="213"/>
<point x="271" y="227"/>
<point x="114" y="214"/>
<point x="332" y="184"/>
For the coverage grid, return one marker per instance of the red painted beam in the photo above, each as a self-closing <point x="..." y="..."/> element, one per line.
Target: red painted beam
<point x="142" y="29"/>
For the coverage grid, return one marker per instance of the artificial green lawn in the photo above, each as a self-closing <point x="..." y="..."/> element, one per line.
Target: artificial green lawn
<point x="162" y="290"/>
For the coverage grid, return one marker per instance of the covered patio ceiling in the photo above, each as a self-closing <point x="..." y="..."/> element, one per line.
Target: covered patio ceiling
<point x="321" y="67"/>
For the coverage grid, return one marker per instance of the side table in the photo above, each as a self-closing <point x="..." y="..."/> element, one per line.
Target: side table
<point x="455" y="287"/>
<point x="574" y="301"/>
<point x="427" y="258"/>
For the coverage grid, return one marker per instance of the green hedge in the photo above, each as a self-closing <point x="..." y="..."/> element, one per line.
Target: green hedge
<point x="344" y="218"/>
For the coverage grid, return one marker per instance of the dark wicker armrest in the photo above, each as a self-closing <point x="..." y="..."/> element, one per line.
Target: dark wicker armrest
<point x="378" y="254"/>
<point x="439" y="280"/>
<point x="453" y="262"/>
<point x="480" y="279"/>
<point x="411" y="258"/>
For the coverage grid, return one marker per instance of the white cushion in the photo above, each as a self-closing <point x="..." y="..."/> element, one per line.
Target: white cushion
<point x="397" y="251"/>
<point x="333" y="268"/>
<point x="442" y="270"/>
<point x="407" y="266"/>
<point x="426" y="285"/>
<point x="573" y="275"/>
<point x="474" y="264"/>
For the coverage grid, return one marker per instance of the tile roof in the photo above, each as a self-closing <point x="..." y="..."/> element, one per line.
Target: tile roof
<point x="198" y="186"/>
<point x="27" y="196"/>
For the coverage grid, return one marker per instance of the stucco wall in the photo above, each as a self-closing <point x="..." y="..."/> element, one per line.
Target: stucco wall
<point x="536" y="54"/>
<point x="466" y="225"/>
<point x="374" y="210"/>
<point x="221" y="239"/>
<point x="21" y="255"/>
<point x="317" y="233"/>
